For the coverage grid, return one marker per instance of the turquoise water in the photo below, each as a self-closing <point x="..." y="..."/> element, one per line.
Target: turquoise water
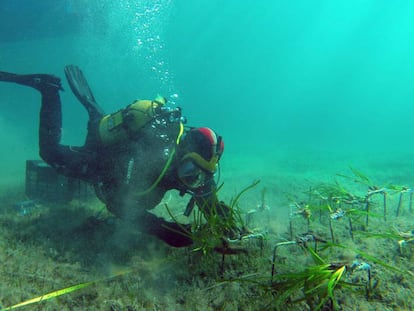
<point x="270" y="76"/>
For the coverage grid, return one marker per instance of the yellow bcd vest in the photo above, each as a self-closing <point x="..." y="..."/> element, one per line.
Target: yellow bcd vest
<point x="126" y="123"/>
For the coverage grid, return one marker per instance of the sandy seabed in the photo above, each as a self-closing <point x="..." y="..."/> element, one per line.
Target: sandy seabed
<point x="49" y="246"/>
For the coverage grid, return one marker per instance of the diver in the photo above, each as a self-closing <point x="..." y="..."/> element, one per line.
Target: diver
<point x="133" y="156"/>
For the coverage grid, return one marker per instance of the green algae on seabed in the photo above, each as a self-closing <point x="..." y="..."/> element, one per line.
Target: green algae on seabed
<point x="46" y="251"/>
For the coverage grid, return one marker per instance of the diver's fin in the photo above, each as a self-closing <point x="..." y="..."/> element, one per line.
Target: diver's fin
<point x="80" y="88"/>
<point x="41" y="82"/>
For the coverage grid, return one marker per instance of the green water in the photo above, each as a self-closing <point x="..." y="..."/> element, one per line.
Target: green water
<point x="299" y="78"/>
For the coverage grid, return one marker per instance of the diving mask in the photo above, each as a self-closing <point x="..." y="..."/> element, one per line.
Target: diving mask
<point x="191" y="175"/>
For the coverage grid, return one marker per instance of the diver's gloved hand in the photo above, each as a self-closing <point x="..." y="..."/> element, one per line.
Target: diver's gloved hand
<point x="224" y="209"/>
<point x="235" y="231"/>
<point x="174" y="234"/>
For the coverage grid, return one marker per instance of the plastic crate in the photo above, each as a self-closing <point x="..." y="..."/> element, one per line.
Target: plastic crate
<point x="43" y="183"/>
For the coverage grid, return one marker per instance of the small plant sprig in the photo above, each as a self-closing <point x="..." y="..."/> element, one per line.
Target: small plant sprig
<point x="373" y="190"/>
<point x="213" y="231"/>
<point x="296" y="210"/>
<point x="403" y="239"/>
<point x="402" y="190"/>
<point x="301" y="240"/>
<point x="261" y="208"/>
<point x="317" y="284"/>
<point x="363" y="266"/>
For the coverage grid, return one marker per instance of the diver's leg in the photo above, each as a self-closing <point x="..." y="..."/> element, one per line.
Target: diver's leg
<point x="70" y="161"/>
<point x="50" y="128"/>
<point x="50" y="112"/>
<point x="65" y="159"/>
<point x="40" y="82"/>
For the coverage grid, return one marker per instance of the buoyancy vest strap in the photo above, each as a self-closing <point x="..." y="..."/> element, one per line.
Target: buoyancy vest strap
<point x="166" y="166"/>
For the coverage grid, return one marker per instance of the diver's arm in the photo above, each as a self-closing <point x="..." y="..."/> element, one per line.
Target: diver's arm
<point x="208" y="202"/>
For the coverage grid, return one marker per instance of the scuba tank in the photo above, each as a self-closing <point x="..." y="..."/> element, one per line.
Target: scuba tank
<point x="127" y="123"/>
